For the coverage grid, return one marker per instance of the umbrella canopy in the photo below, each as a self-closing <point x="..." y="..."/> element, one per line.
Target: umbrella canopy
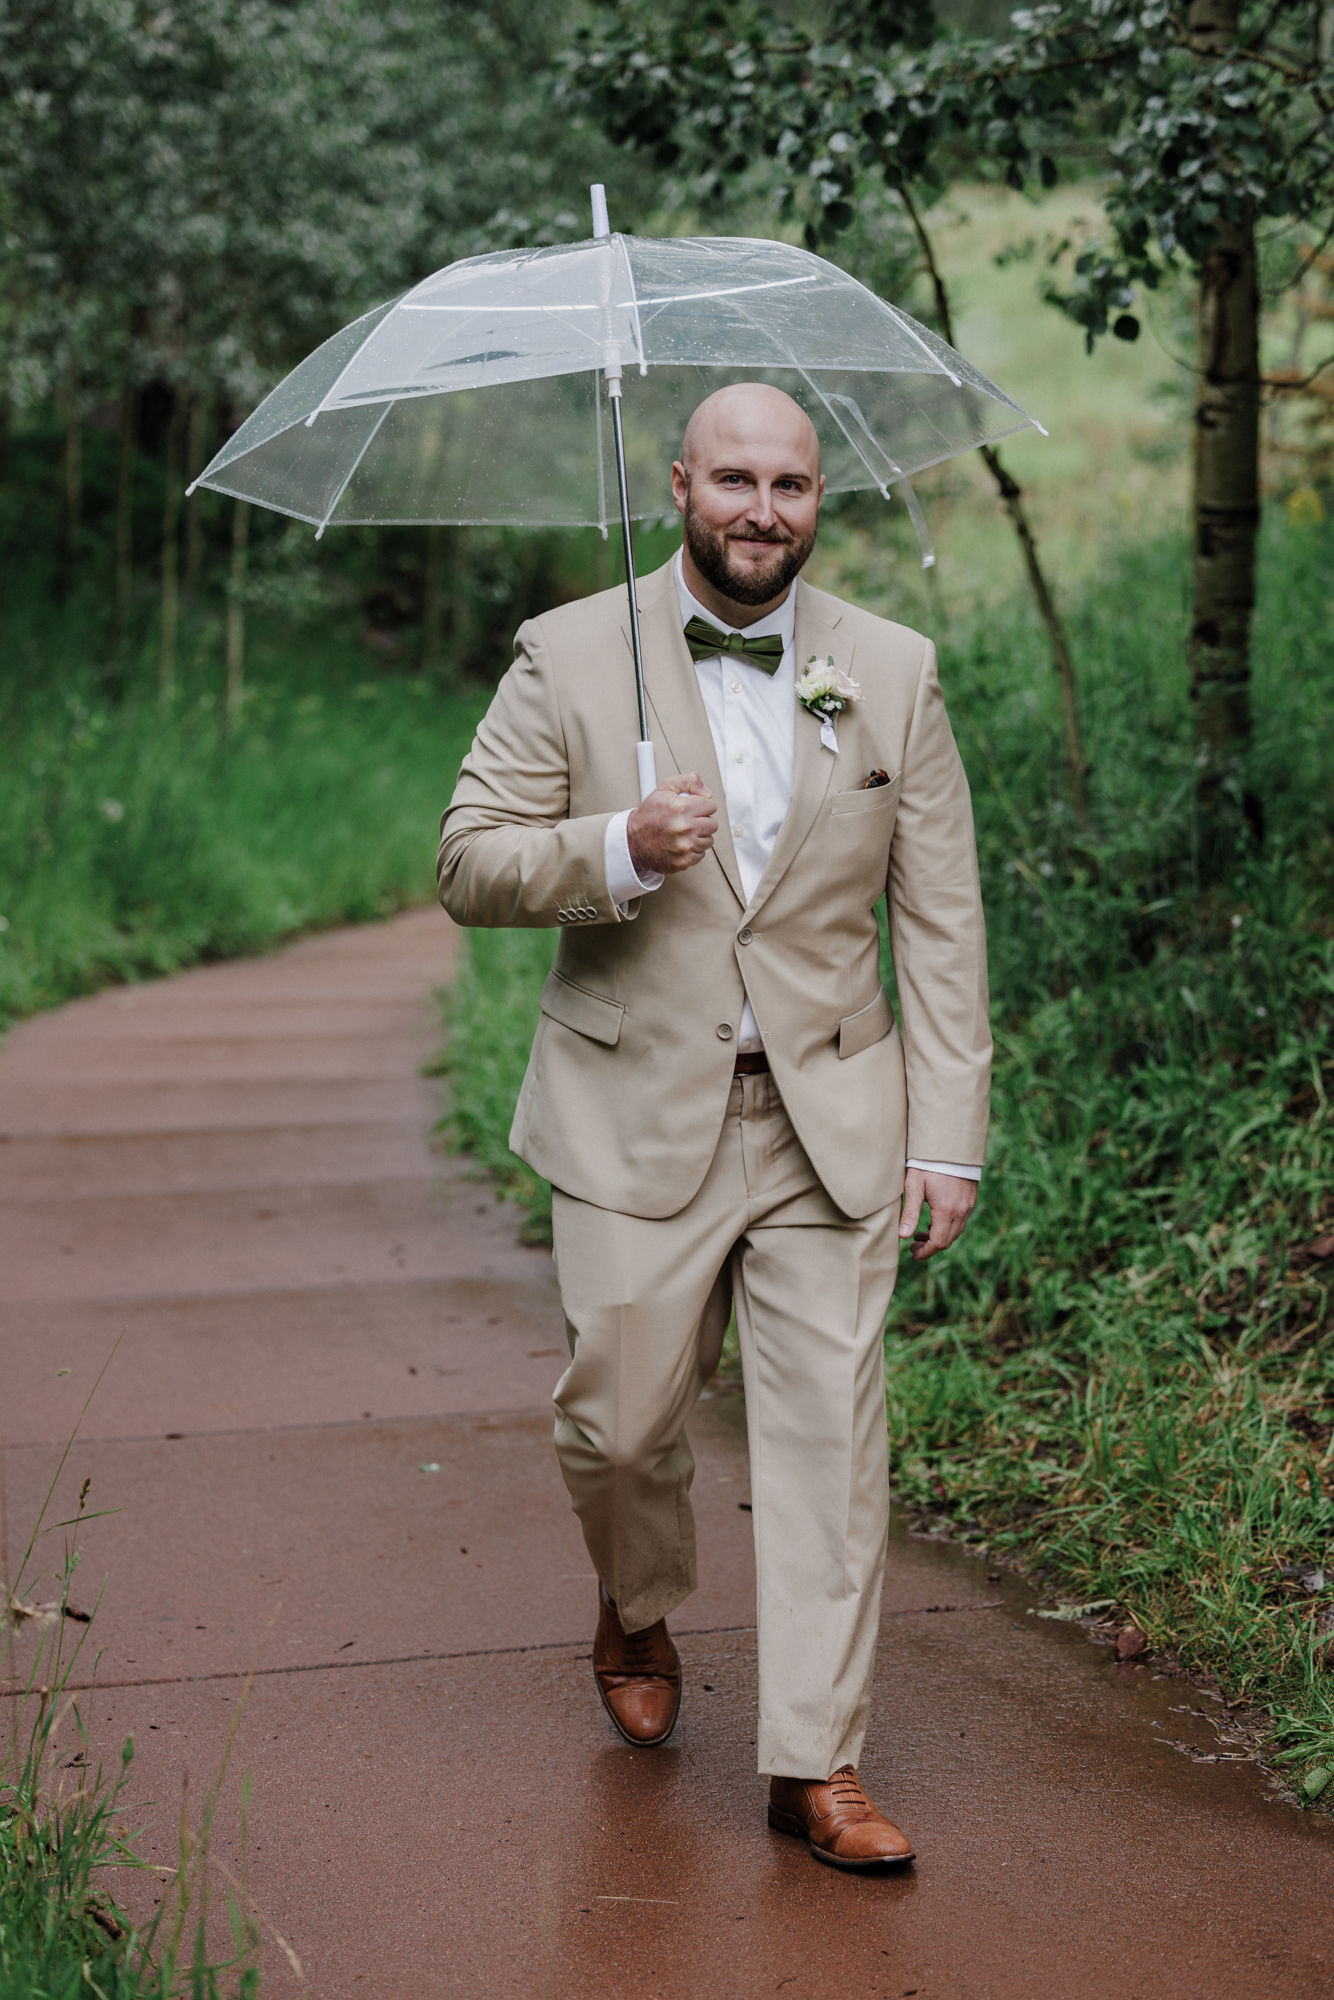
<point x="478" y="396"/>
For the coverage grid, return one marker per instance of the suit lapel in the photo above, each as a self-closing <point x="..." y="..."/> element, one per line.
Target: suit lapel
<point x="672" y="688"/>
<point x="812" y="764"/>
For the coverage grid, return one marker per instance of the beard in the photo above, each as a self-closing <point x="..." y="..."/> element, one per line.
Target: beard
<point x="711" y="557"/>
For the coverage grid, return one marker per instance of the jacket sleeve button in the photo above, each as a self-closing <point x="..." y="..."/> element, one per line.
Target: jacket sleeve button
<point x="724" y="1031"/>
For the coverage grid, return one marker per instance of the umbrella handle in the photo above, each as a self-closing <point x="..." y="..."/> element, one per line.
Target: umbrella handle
<point x="648" y="769"/>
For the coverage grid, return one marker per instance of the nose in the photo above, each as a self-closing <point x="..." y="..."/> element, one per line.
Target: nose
<point x="761" y="512"/>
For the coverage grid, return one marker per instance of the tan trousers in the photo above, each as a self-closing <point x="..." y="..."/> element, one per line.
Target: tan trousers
<point x="647" y="1303"/>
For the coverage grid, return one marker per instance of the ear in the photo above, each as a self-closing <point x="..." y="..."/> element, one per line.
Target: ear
<point x="681" y="486"/>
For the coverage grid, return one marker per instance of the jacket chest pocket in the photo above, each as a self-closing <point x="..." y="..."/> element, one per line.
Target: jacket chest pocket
<point x="858" y="829"/>
<point x="866" y="805"/>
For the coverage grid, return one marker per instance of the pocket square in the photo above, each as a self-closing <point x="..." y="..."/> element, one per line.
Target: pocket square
<point x="876" y="778"/>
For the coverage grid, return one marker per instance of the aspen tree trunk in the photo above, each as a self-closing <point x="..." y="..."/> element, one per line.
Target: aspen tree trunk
<point x="437" y="607"/>
<point x="123" y="588"/>
<point x="1226" y="522"/>
<point x="234" y="688"/>
<point x="196" y="435"/>
<point x="1226" y="506"/>
<point x="171" y="553"/>
<point x="72" y="476"/>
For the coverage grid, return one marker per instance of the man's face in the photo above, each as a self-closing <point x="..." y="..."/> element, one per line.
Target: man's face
<point x="748" y="490"/>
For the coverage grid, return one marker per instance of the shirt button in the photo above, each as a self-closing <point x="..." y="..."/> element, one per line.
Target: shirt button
<point x="724" y="1031"/>
<point x="740" y="756"/>
<point x="736" y="687"/>
<point x="745" y="936"/>
<point x="737" y="828"/>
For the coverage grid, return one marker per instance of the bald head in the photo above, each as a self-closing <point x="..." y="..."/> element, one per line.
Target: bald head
<point x="733" y="421"/>
<point x="748" y="489"/>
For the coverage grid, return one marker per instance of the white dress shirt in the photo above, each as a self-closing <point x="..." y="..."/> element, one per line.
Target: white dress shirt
<point x="752" y="718"/>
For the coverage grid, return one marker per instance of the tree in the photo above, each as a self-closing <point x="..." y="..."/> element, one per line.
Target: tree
<point x="192" y="198"/>
<point x="1214" y="120"/>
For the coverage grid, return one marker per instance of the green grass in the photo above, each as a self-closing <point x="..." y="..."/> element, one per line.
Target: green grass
<point x="137" y="838"/>
<point x="1121" y="1376"/>
<point x="490" y="1015"/>
<point x="64" y="1842"/>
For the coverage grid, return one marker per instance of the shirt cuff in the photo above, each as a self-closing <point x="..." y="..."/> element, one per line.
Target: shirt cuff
<point x="945" y="1167"/>
<point x="624" y="882"/>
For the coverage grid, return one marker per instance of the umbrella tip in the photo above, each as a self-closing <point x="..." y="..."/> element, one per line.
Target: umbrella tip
<point x="190" y="488"/>
<point x="1041" y="429"/>
<point x="597" y="194"/>
<point x="319" y="532"/>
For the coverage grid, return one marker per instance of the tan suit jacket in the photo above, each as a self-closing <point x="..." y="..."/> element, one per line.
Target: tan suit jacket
<point x="630" y="1071"/>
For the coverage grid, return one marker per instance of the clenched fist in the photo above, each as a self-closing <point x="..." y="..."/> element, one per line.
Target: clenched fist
<point x="674" y="828"/>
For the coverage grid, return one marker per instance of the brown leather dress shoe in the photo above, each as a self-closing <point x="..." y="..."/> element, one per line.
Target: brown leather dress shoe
<point x="837" y="1820"/>
<point x="638" y="1676"/>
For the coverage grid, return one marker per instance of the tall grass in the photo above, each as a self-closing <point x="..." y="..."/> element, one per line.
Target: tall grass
<point x="1121" y="1375"/>
<point x="136" y="837"/>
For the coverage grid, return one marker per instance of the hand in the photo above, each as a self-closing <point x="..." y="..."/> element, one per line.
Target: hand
<point x="674" y="828"/>
<point x="951" y="1203"/>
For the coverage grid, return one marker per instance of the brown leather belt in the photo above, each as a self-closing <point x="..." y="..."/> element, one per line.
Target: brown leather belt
<point x="755" y="1063"/>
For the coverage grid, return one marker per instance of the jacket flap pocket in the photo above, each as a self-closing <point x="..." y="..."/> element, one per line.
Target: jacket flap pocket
<point x="869" y="1024"/>
<point x="587" y="1013"/>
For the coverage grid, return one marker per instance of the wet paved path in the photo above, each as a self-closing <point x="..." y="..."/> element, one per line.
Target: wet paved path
<point x="231" y="1170"/>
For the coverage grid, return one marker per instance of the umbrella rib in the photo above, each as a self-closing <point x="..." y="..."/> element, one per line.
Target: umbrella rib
<point x="323" y="403"/>
<point x="789" y="360"/>
<point x="619" y="305"/>
<point x="371" y="436"/>
<point x="634" y="307"/>
<point x="910" y="500"/>
<point x="911" y="331"/>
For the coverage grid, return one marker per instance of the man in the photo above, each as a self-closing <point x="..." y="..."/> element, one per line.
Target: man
<point x="717" y="1091"/>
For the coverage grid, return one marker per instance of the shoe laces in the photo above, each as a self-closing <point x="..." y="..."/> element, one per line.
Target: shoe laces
<point x="639" y="1650"/>
<point x="847" y="1790"/>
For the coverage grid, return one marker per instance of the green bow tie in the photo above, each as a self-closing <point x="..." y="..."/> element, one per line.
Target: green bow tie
<point x="704" y="640"/>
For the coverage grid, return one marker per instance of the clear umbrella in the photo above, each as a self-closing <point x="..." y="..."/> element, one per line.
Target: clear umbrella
<point x="492" y="391"/>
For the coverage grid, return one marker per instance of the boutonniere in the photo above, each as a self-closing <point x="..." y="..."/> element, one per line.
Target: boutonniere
<point x="824" y="691"/>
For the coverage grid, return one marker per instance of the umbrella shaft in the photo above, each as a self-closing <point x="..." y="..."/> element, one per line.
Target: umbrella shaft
<point x="615" y="401"/>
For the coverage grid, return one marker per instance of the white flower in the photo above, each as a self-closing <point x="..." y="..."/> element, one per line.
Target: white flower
<point x="824" y="690"/>
<point x="111" y="809"/>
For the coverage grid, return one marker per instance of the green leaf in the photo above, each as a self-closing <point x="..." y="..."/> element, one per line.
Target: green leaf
<point x="1313" y="1784"/>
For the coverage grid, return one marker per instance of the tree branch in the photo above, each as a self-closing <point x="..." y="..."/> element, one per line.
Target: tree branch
<point x="1293" y="385"/>
<point x="1012" y="498"/>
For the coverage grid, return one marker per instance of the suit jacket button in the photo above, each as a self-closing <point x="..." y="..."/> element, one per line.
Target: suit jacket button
<point x="745" y="936"/>
<point x="724" y="1031"/>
